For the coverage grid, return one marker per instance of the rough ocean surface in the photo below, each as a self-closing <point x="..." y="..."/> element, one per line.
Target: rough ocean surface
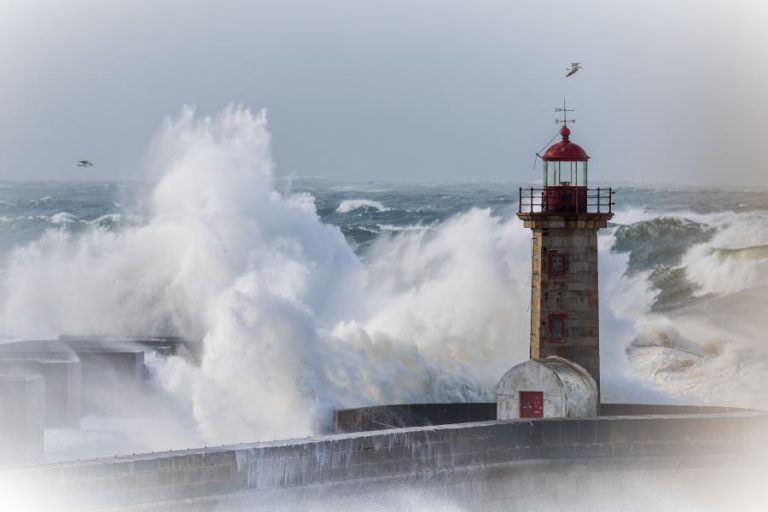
<point x="310" y="294"/>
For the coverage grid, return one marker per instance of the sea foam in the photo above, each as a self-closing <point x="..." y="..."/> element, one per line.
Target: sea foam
<point x="350" y="205"/>
<point x="292" y="321"/>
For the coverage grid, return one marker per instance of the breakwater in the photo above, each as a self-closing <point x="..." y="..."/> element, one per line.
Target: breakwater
<point x="445" y="456"/>
<point x="381" y="417"/>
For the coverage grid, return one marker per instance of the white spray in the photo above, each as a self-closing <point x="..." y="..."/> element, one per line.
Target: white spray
<point x="292" y="322"/>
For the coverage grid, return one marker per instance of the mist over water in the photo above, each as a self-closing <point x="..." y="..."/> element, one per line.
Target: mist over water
<point x="311" y="295"/>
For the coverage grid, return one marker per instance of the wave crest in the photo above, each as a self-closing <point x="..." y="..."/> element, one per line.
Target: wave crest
<point x="350" y="205"/>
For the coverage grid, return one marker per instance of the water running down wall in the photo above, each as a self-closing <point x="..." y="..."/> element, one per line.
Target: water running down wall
<point x="468" y="451"/>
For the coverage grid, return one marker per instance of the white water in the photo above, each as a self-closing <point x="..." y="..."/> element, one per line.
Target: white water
<point x="295" y="324"/>
<point x="350" y="205"/>
<point x="714" y="352"/>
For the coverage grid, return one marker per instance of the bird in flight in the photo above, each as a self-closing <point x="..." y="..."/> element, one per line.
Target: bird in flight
<point x="575" y="66"/>
<point x="85" y="163"/>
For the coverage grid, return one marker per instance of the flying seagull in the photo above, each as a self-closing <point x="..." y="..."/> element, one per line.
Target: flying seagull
<point x="575" y="66"/>
<point x="85" y="163"/>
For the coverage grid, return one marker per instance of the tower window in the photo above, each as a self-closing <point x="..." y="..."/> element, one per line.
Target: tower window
<point x="556" y="328"/>
<point x="557" y="263"/>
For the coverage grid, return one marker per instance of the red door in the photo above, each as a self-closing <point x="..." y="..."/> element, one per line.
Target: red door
<point x="531" y="404"/>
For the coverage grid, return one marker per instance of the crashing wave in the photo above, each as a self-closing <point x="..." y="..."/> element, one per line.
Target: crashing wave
<point x="759" y="252"/>
<point x="63" y="218"/>
<point x="293" y="322"/>
<point x="716" y="270"/>
<point x="350" y="205"/>
<point x="659" y="241"/>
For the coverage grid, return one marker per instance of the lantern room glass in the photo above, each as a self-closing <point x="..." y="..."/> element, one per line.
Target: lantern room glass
<point x="566" y="173"/>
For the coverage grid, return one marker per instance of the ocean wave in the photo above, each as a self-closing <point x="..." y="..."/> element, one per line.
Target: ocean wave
<point x="704" y="339"/>
<point x="397" y="229"/>
<point x="57" y="218"/>
<point x="659" y="241"/>
<point x="711" y="353"/>
<point x="63" y="218"/>
<point x="115" y="220"/>
<point x="67" y="218"/>
<point x="350" y="205"/>
<point x="734" y="259"/>
<point x="290" y="317"/>
<point x="758" y="252"/>
<point x="43" y="201"/>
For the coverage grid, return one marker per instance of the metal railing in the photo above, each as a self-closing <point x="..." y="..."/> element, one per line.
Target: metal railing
<point x="566" y="200"/>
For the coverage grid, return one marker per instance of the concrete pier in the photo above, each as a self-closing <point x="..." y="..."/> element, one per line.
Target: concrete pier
<point x="443" y="456"/>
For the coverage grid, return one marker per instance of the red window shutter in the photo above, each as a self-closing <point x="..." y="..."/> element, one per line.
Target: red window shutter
<point x="557" y="328"/>
<point x="557" y="263"/>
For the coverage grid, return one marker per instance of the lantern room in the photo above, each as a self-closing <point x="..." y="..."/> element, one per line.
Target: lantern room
<point x="565" y="163"/>
<point x="565" y="175"/>
<point x="565" y="181"/>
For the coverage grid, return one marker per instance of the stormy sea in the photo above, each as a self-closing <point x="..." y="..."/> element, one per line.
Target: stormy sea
<point x="309" y="294"/>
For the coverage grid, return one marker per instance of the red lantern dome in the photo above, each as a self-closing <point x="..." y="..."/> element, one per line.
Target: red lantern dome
<point x="565" y="150"/>
<point x="565" y="163"/>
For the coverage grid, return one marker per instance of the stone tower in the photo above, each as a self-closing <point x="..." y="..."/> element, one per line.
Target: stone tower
<point x="564" y="216"/>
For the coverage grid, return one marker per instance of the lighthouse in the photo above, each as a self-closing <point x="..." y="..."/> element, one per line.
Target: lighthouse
<point x="564" y="215"/>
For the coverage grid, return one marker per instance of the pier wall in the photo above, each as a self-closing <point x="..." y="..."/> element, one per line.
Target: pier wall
<point x="382" y="417"/>
<point x="197" y="479"/>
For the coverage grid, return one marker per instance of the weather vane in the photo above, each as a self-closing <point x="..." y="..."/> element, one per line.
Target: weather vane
<point x="565" y="111"/>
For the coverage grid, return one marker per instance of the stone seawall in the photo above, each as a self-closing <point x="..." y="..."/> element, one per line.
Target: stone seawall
<point x="382" y="417"/>
<point x="202" y="477"/>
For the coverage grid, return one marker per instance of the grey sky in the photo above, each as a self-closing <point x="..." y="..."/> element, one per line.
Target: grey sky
<point x="420" y="90"/>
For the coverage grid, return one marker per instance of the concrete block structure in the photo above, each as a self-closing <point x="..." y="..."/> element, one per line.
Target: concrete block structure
<point x="546" y="388"/>
<point x="59" y="368"/>
<point x="22" y="417"/>
<point x="108" y="372"/>
<point x="84" y="373"/>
